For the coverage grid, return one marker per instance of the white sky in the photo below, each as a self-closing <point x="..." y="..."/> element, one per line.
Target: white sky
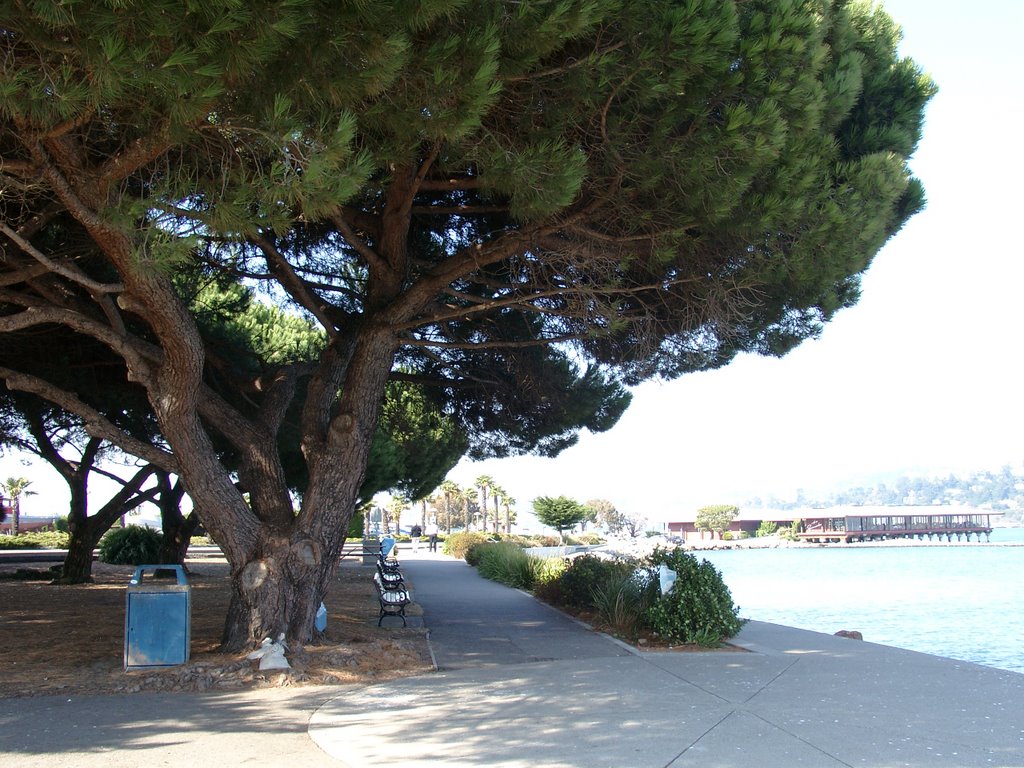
<point x="923" y="376"/>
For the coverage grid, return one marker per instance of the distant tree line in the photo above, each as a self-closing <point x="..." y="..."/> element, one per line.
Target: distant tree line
<point x="1001" y="491"/>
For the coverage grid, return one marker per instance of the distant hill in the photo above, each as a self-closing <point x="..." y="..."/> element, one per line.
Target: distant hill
<point x="1002" y="491"/>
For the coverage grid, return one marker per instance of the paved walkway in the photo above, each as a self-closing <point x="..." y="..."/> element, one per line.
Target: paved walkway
<point x="519" y="684"/>
<point x="522" y="685"/>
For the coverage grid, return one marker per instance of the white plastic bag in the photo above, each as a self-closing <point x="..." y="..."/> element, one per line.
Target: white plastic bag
<point x="667" y="577"/>
<point x="271" y="654"/>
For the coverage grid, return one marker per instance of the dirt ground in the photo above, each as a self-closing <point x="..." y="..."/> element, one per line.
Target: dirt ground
<point x="70" y="639"/>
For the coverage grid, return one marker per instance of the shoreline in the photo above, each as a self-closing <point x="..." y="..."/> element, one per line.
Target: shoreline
<point x="888" y="544"/>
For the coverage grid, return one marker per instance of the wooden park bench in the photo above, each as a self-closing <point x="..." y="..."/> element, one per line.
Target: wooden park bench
<point x="390" y="579"/>
<point x="392" y="599"/>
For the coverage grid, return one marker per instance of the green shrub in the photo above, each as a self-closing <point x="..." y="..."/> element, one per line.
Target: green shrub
<point x="583" y="575"/>
<point x="699" y="608"/>
<point x="473" y="552"/>
<point x="623" y="600"/>
<point x="457" y="543"/>
<point x="132" y="545"/>
<point x="766" y="528"/>
<point x="36" y="540"/>
<point x="548" y="569"/>
<point x="727" y="536"/>
<point x="505" y="563"/>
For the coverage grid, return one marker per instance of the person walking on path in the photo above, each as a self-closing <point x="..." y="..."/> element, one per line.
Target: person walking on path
<point x="432" y="534"/>
<point x="415" y="533"/>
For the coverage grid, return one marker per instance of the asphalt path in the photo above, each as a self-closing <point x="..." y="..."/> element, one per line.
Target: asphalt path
<point x="474" y="622"/>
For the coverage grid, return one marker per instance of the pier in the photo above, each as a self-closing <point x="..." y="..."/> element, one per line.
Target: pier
<point x="855" y="528"/>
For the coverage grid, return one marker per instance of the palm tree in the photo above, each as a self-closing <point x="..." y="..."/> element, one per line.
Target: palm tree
<point x="496" y="493"/>
<point x="396" y="507"/>
<point x="16" y="487"/>
<point x="449" y="491"/>
<point x="508" y="502"/>
<point x="484" y="483"/>
<point x="468" y="496"/>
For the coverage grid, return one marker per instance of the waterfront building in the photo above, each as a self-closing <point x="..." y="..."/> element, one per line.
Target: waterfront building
<point x="848" y="524"/>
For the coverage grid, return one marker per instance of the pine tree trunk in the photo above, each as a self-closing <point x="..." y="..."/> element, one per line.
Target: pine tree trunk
<point x="82" y="539"/>
<point x="276" y="594"/>
<point x="77" y="567"/>
<point x="177" y="536"/>
<point x="177" y="529"/>
<point x="279" y="580"/>
<point x="86" y="531"/>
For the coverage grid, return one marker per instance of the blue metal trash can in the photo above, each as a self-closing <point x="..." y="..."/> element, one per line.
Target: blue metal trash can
<point x="157" y="619"/>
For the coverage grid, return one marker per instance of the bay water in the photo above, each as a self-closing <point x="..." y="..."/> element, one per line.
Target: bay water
<point x="963" y="602"/>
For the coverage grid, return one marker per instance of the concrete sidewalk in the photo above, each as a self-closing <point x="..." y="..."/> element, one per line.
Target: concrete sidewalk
<point x="520" y="684"/>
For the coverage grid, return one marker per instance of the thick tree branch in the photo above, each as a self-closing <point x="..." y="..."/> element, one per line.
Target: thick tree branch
<point x="361" y="247"/>
<point x="24" y="275"/>
<point x="72" y="274"/>
<point x="45" y="448"/>
<point x="421" y="174"/>
<point x="128" y="497"/>
<point x="22" y="168"/>
<point x="95" y="423"/>
<point x="140" y="153"/>
<point x="294" y="284"/>
<point x="141" y="359"/>
<point x="68" y="126"/>
<point x="436" y="281"/>
<point x="138" y="355"/>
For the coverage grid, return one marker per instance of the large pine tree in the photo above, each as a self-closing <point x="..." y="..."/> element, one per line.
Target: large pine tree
<point x="517" y="205"/>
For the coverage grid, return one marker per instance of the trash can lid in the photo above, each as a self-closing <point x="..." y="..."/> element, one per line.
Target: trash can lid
<point x="179" y="572"/>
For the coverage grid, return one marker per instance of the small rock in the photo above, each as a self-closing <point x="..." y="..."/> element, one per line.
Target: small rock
<point x="853" y="634"/>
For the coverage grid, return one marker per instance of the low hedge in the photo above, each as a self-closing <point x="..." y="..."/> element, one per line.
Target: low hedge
<point x="36" y="540"/>
<point x="624" y="594"/>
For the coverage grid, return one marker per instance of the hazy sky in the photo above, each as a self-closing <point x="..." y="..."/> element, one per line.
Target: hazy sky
<point x="922" y="376"/>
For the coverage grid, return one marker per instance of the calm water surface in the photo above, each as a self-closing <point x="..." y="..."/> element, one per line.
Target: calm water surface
<point x="961" y="602"/>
